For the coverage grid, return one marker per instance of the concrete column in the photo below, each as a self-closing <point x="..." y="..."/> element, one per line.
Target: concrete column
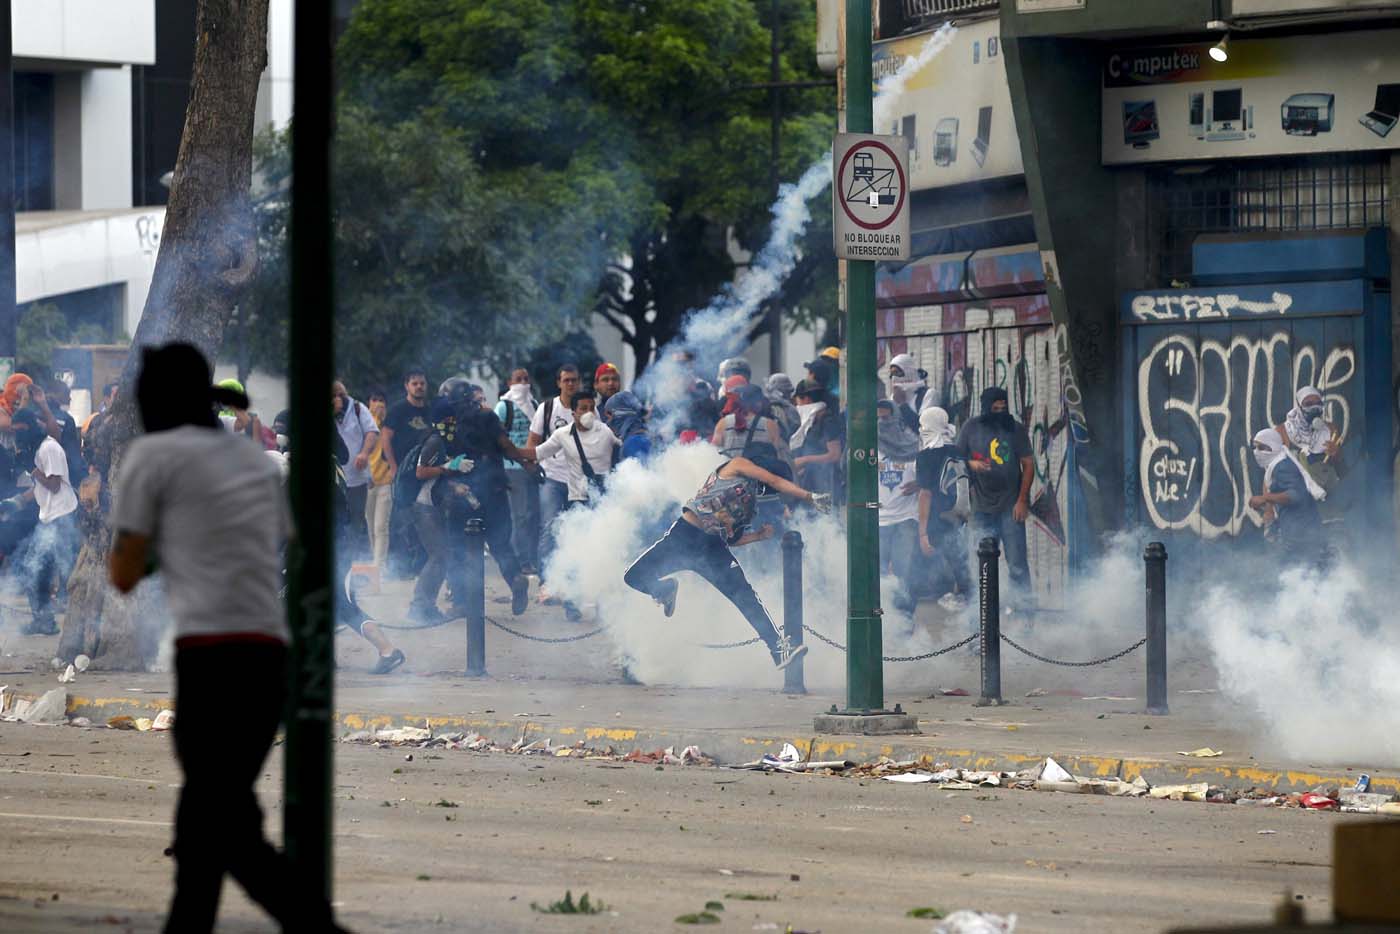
<point x="92" y="139"/>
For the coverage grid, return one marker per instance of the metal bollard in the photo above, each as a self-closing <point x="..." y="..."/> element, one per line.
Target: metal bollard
<point x="989" y="606"/>
<point x="1155" y="557"/>
<point x="792" y="609"/>
<point x="475" y="598"/>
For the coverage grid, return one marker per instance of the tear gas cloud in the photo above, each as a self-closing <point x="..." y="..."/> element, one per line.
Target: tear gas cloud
<point x="598" y="542"/>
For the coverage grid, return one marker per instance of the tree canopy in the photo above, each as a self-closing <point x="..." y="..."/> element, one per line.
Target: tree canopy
<point x="503" y="168"/>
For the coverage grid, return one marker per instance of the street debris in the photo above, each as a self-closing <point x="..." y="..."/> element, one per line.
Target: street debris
<point x="1196" y="791"/>
<point x="48" y="708"/>
<point x="69" y="675"/>
<point x="423" y="738"/>
<point x="1205" y="752"/>
<point x="81" y="663"/>
<point x="164" y="720"/>
<point x="975" y="922"/>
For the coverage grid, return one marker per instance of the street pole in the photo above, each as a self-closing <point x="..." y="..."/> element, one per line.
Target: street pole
<point x="865" y="685"/>
<point x="310" y="586"/>
<point x="775" y="107"/>
<point x="8" y="315"/>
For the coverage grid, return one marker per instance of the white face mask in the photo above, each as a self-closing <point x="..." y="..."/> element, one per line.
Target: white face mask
<point x="587" y="420"/>
<point x="1264" y="457"/>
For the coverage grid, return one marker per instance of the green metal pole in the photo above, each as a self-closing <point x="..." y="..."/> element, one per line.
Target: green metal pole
<point x="310" y="594"/>
<point x="865" y="683"/>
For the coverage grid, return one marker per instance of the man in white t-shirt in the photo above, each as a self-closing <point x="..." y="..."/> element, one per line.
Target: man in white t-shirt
<point x="587" y="448"/>
<point x="554" y="414"/>
<point x="53" y="546"/>
<point x="898" y="450"/>
<point x="209" y="506"/>
<point x="360" y="433"/>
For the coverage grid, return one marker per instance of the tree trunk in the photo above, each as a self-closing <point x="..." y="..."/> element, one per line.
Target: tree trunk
<point x="208" y="257"/>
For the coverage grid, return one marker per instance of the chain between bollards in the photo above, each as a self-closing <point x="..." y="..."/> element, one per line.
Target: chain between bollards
<point x="475" y="573"/>
<point x="989" y="607"/>
<point x="793" y="682"/>
<point x="1155" y="558"/>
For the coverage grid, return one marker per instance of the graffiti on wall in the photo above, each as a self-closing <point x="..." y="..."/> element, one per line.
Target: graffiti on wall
<point x="1202" y="393"/>
<point x="1016" y="349"/>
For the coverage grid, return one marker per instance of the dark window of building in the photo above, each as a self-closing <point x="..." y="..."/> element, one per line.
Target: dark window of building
<point x="899" y="16"/>
<point x="33" y="142"/>
<point x="1325" y="192"/>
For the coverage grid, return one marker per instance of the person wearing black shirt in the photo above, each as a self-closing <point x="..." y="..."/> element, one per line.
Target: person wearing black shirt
<point x="1000" y="471"/>
<point x="817" y="442"/>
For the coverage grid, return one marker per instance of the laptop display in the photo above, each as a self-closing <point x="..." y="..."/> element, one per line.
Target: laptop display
<point x="1387" y="100"/>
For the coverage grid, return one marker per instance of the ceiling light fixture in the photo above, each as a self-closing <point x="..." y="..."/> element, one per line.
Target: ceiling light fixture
<point x="1221" y="50"/>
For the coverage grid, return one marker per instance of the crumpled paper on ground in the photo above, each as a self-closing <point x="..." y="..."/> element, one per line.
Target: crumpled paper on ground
<point x="1205" y="752"/>
<point x="966" y="921"/>
<point x="51" y="707"/>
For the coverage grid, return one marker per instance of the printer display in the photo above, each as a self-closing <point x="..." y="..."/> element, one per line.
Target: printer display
<point x="1308" y="114"/>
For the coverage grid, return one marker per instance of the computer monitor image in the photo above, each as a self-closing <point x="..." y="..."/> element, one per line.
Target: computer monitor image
<point x="945" y="141"/>
<point x="1227" y="118"/>
<point x="984" y="135"/>
<point x="1140" y="123"/>
<point x="1227" y="105"/>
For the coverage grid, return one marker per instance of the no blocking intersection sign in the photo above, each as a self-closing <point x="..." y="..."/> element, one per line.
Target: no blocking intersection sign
<point x="870" y="196"/>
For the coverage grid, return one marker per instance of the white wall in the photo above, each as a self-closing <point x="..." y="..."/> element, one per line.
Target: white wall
<point x="99" y="31"/>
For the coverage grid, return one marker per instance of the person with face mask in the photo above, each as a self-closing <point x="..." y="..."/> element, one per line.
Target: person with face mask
<point x="746" y="429"/>
<point x="907" y="389"/>
<point x="937" y="473"/>
<point x="897" y="448"/>
<point x="515" y="409"/>
<point x="817" y="442"/>
<point x="53" y="545"/>
<point x="1000" y="470"/>
<point x="779" y="390"/>
<point x="714" y="520"/>
<point x="1289" y="503"/>
<point x="589" y="450"/>
<point x="627" y="417"/>
<point x="210" y="507"/>
<point x="1317" y="444"/>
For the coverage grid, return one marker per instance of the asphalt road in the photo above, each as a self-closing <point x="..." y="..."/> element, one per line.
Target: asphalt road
<point x="84" y="817"/>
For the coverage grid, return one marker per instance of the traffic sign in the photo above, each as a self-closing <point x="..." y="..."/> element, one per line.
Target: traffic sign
<point x="871" y="196"/>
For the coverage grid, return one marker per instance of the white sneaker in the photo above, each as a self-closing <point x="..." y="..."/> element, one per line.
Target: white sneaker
<point x="786" y="654"/>
<point x="953" y="602"/>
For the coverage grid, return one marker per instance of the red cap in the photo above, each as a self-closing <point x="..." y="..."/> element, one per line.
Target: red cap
<point x="605" y="368"/>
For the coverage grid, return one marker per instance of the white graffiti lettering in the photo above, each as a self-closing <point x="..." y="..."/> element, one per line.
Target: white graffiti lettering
<point x="1199" y="404"/>
<point x="1206" y="307"/>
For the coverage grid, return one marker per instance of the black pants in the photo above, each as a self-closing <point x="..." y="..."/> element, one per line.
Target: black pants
<point x="356" y="532"/>
<point x="218" y="823"/>
<point x="442" y="531"/>
<point x="686" y="548"/>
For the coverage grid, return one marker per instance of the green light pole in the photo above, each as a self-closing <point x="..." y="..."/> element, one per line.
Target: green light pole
<point x="865" y="679"/>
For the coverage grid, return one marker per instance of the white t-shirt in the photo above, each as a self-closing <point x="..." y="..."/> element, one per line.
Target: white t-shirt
<point x="52" y="462"/>
<point x="553" y="465"/>
<point x="896" y="506"/>
<point x="354" y="423"/>
<point x="597" y="444"/>
<point x="217" y="517"/>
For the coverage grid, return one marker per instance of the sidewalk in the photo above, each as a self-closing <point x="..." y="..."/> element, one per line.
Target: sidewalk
<point x="1090" y="720"/>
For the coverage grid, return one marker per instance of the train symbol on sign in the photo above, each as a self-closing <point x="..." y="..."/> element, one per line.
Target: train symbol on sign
<point x="869" y="184"/>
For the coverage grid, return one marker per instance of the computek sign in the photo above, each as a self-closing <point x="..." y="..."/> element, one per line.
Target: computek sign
<point x="1153" y="66"/>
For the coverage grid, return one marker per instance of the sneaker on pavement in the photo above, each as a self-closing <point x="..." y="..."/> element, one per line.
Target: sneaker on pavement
<point x="571" y="613"/>
<point x="784" y="653"/>
<point x="41" y="627"/>
<point x="667" y="599"/>
<point x="519" y="594"/>
<point x="387" y="663"/>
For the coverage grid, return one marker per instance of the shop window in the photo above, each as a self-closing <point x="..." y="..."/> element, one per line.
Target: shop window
<point x="33" y="141"/>
<point x="1331" y="192"/>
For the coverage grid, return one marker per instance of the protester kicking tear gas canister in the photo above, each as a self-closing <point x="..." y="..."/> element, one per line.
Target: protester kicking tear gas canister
<point x="711" y="522"/>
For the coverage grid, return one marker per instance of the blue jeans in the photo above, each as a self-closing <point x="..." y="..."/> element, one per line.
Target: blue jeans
<point x="1012" y="536"/>
<point x="899" y="551"/>
<point x="524" y="515"/>
<point x="554" y="499"/>
<point x="53" y="548"/>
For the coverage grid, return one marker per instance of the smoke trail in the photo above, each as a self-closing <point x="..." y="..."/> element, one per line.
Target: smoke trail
<point x="718" y="330"/>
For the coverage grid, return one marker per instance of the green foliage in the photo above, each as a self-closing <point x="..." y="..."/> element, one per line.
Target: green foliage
<point x="43" y="326"/>
<point x="503" y="168"/>
<point x="567" y="906"/>
<point x="924" y="912"/>
<point x="699" y="917"/>
<point x="750" y="897"/>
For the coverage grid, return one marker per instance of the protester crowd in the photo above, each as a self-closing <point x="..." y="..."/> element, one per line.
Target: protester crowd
<point x="418" y="467"/>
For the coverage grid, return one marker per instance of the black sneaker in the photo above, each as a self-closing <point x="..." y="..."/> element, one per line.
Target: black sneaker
<point x="519" y="594"/>
<point x="667" y="599"/>
<point x="571" y="613"/>
<point x="425" y="614"/>
<point x="387" y="663"/>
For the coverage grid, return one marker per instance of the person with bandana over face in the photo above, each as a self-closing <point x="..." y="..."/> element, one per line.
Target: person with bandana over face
<point x="908" y="388"/>
<point x="940" y="532"/>
<point x="1289" y="503"/>
<point x="515" y="409"/>
<point x="1317" y="445"/>
<point x="898" y="449"/>
<point x="1000" y="468"/>
<point x="210" y="507"/>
